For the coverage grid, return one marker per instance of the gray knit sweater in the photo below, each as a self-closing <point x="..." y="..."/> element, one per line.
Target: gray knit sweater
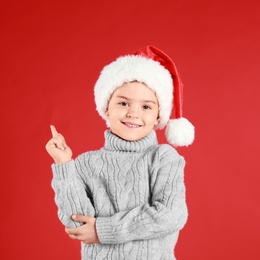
<point x="135" y="190"/>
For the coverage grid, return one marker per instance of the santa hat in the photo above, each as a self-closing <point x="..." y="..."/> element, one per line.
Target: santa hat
<point x="155" y="69"/>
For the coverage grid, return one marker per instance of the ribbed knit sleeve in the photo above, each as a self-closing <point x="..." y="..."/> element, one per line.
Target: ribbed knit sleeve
<point x="165" y="214"/>
<point x="70" y="193"/>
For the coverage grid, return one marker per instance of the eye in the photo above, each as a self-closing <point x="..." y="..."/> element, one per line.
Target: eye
<point x="123" y="103"/>
<point x="146" y="107"/>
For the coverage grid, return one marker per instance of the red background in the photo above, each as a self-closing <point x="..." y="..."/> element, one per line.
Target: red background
<point x="51" y="55"/>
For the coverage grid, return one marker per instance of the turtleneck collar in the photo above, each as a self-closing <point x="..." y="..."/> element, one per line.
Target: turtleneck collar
<point x="115" y="143"/>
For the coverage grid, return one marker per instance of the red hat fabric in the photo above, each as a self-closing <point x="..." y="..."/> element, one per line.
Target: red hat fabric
<point x="151" y="52"/>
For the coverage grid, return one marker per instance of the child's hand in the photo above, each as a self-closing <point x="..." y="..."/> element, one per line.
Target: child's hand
<point x="57" y="147"/>
<point x="86" y="233"/>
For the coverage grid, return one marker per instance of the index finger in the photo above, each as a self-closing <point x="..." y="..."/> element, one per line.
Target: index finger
<point x="53" y="131"/>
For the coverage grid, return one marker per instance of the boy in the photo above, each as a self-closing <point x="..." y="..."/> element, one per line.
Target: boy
<point x="127" y="200"/>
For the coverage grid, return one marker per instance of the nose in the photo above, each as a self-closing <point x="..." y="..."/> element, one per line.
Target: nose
<point x="132" y="112"/>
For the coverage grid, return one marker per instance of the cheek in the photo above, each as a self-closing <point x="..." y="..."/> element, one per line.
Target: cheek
<point x="114" y="112"/>
<point x="153" y="119"/>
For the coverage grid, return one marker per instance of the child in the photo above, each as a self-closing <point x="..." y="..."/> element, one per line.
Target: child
<point x="127" y="200"/>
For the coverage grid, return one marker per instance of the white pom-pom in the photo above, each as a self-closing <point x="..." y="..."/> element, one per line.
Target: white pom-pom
<point x="180" y="132"/>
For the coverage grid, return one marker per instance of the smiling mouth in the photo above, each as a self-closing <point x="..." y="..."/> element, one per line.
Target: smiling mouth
<point x="131" y="125"/>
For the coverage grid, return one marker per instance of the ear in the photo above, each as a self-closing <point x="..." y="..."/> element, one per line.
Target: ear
<point x="157" y="120"/>
<point x="106" y="112"/>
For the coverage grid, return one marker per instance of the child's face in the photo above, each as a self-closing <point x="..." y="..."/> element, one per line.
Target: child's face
<point x="133" y="111"/>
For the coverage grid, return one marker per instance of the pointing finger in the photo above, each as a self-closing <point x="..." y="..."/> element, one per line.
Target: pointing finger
<point x="53" y="131"/>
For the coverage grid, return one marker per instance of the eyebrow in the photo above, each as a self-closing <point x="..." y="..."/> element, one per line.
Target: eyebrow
<point x="145" y="101"/>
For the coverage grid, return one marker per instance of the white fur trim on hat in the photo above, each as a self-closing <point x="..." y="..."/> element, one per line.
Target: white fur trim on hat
<point x="130" y="68"/>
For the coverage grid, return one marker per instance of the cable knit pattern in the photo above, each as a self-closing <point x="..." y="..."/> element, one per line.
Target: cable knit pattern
<point x="135" y="190"/>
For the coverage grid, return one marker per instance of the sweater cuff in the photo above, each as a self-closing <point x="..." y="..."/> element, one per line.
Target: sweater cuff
<point x="105" y="230"/>
<point x="64" y="170"/>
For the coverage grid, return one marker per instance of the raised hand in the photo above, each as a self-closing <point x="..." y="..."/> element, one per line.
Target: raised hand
<point x="57" y="147"/>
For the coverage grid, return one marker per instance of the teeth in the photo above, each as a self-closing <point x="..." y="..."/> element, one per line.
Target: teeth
<point x="131" y="125"/>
